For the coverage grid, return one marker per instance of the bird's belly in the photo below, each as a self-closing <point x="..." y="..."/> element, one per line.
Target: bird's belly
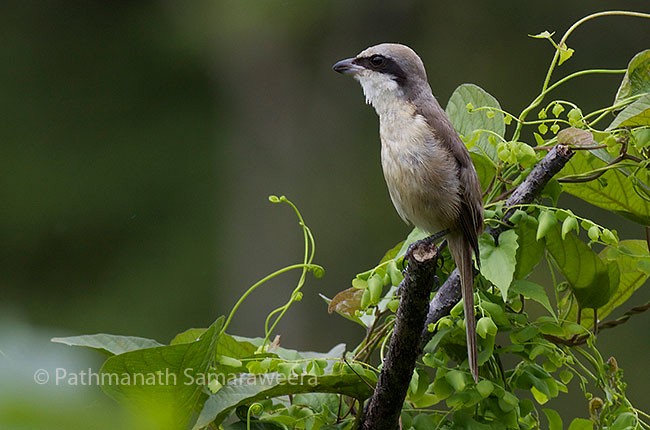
<point x="422" y="179"/>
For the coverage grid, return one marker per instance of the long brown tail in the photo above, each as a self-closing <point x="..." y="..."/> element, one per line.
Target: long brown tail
<point x="461" y="251"/>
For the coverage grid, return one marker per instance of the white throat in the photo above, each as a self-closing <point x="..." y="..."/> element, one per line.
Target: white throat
<point x="381" y="91"/>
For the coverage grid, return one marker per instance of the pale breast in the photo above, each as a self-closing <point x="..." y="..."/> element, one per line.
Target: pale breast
<point x="421" y="175"/>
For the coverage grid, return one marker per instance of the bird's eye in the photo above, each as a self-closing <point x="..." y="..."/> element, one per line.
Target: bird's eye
<point x="377" y="60"/>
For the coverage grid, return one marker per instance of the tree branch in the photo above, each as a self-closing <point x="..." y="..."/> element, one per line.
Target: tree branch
<point x="385" y="405"/>
<point x="582" y="339"/>
<point x="449" y="293"/>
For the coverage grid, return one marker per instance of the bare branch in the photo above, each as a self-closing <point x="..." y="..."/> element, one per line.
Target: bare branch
<point x="385" y="405"/>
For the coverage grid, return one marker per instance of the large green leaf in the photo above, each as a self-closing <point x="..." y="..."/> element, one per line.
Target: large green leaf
<point x="581" y="424"/>
<point x="613" y="191"/>
<point x="498" y="261"/>
<point x="554" y="419"/>
<point x="532" y="291"/>
<point x="637" y="77"/>
<point x="636" y="114"/>
<point x="249" y="388"/>
<point x="530" y="250"/>
<point x="188" y="336"/>
<point x="238" y="348"/>
<point x="633" y="262"/>
<point x="485" y="169"/>
<point x="469" y="124"/>
<point x="591" y="280"/>
<point x="108" y="343"/>
<point x="164" y="384"/>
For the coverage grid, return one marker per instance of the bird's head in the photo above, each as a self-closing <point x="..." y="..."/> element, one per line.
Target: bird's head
<point x="386" y="72"/>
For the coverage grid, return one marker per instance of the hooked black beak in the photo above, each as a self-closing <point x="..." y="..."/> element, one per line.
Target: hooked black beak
<point x="347" y="67"/>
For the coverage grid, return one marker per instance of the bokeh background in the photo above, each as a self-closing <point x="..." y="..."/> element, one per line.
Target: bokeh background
<point x="140" y="140"/>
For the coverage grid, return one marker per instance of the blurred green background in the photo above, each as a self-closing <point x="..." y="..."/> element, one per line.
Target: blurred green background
<point x="140" y="140"/>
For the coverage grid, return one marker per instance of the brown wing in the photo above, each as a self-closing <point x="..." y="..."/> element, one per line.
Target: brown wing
<point x="471" y="210"/>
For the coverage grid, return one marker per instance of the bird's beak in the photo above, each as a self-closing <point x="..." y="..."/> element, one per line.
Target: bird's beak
<point x="347" y="67"/>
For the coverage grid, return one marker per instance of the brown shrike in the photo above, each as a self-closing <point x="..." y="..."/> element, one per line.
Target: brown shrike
<point x="430" y="176"/>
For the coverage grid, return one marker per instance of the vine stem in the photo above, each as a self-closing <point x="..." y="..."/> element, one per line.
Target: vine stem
<point x="305" y="266"/>
<point x="308" y="257"/>
<point x="259" y="283"/>
<point x="554" y="62"/>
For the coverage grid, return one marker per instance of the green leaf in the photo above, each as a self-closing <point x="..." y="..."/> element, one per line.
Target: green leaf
<point x="627" y="256"/>
<point x="575" y="117"/>
<point x="609" y="237"/>
<point x="498" y="262"/>
<point x="436" y="339"/>
<point x="392" y="305"/>
<point x="530" y="250"/>
<point x="396" y="276"/>
<point x="540" y="396"/>
<point x="524" y="334"/>
<point x="543" y="35"/>
<point x="508" y="401"/>
<point x="485" y="168"/>
<point x="587" y="274"/>
<point x="188" y="336"/>
<point x="566" y="376"/>
<point x="542" y="128"/>
<point x="547" y="221"/>
<point x="485" y="326"/>
<point x="636" y="114"/>
<point x="640" y="138"/>
<point x="166" y="383"/>
<point x="532" y="291"/>
<point x="441" y="388"/>
<point x="108" y="343"/>
<point x="593" y="233"/>
<point x="554" y="419"/>
<point x="565" y="53"/>
<point x="637" y="77"/>
<point x="468" y="124"/>
<point x="485" y="388"/>
<point x="228" y="345"/>
<point x="613" y="191"/>
<point x="375" y="286"/>
<point x="581" y="424"/>
<point x="570" y="224"/>
<point x="525" y="154"/>
<point x="625" y="421"/>
<point x="456" y="379"/>
<point x="247" y="389"/>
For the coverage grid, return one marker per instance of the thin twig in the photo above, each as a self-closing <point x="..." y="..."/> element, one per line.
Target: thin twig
<point x="582" y="339"/>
